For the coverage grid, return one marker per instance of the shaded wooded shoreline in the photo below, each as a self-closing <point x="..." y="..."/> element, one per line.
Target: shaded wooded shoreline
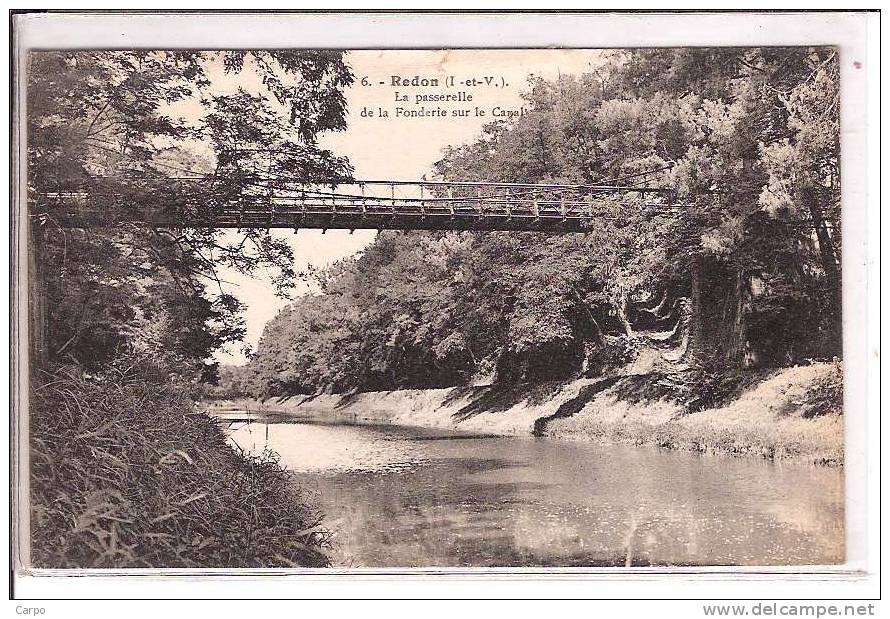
<point x="791" y="414"/>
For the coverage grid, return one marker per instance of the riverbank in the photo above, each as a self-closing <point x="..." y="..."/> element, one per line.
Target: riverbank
<point x="784" y="416"/>
<point x="124" y="474"/>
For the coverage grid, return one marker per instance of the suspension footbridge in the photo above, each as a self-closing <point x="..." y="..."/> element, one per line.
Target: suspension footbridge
<point x="353" y="204"/>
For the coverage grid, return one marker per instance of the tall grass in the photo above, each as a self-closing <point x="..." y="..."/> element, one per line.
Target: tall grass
<point x="125" y="474"/>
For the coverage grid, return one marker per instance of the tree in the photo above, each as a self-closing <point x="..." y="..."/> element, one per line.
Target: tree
<point x="103" y="127"/>
<point x="739" y="265"/>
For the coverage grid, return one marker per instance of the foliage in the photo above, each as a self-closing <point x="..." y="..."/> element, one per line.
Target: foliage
<point x="126" y="475"/>
<point x="704" y="387"/>
<point x="139" y="133"/>
<point x="827" y="395"/>
<point x="748" y="141"/>
<point x="123" y="474"/>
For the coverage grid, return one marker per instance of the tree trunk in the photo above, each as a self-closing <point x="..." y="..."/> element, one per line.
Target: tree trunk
<point x="621" y="308"/>
<point x="810" y="201"/>
<point x="720" y="302"/>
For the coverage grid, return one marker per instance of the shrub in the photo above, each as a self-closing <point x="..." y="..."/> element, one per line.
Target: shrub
<point x="827" y="394"/>
<point x="701" y="387"/>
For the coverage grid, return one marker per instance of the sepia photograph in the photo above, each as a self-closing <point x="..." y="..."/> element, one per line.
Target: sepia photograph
<point x="346" y="310"/>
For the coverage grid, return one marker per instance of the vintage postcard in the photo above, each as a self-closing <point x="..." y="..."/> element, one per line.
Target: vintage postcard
<point x="377" y="309"/>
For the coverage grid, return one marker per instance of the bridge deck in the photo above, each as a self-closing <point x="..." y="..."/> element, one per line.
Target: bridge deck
<point x="424" y="205"/>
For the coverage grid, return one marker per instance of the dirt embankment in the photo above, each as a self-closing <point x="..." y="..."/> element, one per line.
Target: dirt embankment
<point x="781" y="417"/>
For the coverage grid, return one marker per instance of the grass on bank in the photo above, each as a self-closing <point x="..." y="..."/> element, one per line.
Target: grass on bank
<point x="793" y="413"/>
<point x="125" y="474"/>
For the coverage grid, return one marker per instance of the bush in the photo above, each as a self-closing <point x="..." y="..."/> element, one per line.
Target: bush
<point x="827" y="393"/>
<point x="124" y="473"/>
<point x="701" y="387"/>
<point x="602" y="358"/>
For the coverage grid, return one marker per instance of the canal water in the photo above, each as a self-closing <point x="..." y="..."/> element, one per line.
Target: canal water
<point x="410" y="497"/>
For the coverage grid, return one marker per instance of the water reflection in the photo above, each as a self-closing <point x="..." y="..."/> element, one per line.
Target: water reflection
<point x="412" y="497"/>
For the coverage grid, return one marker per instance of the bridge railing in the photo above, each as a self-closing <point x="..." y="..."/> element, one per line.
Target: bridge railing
<point x="510" y="204"/>
<point x="274" y="203"/>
